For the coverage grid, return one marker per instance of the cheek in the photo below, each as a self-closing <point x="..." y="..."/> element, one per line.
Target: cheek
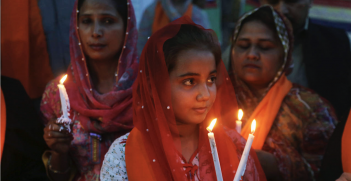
<point x="237" y="60"/>
<point x="213" y="93"/>
<point x="181" y="98"/>
<point x="271" y="63"/>
<point x="115" y="36"/>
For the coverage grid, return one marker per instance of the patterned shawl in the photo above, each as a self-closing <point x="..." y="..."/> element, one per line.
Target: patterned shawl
<point x="293" y="123"/>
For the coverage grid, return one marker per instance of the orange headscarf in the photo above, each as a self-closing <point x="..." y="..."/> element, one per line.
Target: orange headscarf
<point x="24" y="54"/>
<point x="266" y="112"/>
<point x="161" y="19"/>
<point x="151" y="148"/>
<point x="346" y="146"/>
<point x="267" y="109"/>
<point x="3" y="123"/>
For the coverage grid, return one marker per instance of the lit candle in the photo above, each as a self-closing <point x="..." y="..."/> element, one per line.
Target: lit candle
<point x="64" y="105"/>
<point x="242" y="165"/>
<point x="238" y="122"/>
<point x="214" y="151"/>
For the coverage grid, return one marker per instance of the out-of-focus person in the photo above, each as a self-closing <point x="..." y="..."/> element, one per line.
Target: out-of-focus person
<point x="322" y="55"/>
<point x="162" y="12"/>
<point x="56" y="16"/>
<point x="23" y="47"/>
<point x="22" y="133"/>
<point x="337" y="159"/>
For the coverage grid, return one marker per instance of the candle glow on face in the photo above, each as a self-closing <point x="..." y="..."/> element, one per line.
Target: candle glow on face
<point x="240" y="114"/>
<point x="253" y="126"/>
<point x="209" y="128"/>
<point x="63" y="79"/>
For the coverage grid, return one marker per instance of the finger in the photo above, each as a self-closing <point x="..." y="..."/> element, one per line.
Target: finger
<point x="56" y="134"/>
<point x="58" y="128"/>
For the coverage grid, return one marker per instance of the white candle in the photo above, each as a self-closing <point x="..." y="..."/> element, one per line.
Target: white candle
<point x="214" y="152"/>
<point x="242" y="165"/>
<point x="64" y="105"/>
<point x="238" y="122"/>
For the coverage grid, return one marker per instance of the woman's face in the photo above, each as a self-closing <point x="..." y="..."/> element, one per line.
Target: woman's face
<point x="101" y="29"/>
<point x="193" y="86"/>
<point x="257" y="54"/>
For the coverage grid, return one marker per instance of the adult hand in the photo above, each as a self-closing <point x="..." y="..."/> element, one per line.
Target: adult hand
<point x="57" y="138"/>
<point x="269" y="165"/>
<point x="345" y="177"/>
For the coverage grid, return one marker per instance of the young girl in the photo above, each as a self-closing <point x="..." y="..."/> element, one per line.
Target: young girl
<point x="182" y="85"/>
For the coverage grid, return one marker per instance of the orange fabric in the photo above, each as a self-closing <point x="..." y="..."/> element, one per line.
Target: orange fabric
<point x="346" y="146"/>
<point x="3" y="123"/>
<point x="161" y="19"/>
<point x="266" y="111"/>
<point x="135" y="153"/>
<point x="23" y="47"/>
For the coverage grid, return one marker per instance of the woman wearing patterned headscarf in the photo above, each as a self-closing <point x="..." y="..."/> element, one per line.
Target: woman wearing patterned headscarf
<point x="103" y="39"/>
<point x="162" y="12"/>
<point x="293" y="123"/>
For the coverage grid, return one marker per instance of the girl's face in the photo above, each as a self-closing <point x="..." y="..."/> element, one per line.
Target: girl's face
<point x="193" y="86"/>
<point x="257" y="54"/>
<point x="101" y="29"/>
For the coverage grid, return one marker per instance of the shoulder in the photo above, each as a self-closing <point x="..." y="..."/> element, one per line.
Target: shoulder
<point x="114" y="165"/>
<point x="151" y="8"/>
<point x="305" y="101"/>
<point x="328" y="33"/>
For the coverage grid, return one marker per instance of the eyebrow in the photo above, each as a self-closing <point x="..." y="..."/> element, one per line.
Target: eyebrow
<point x="195" y="74"/>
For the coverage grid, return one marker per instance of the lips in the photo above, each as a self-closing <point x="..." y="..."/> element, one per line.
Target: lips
<point x="200" y="110"/>
<point x="251" y="65"/>
<point x="97" y="46"/>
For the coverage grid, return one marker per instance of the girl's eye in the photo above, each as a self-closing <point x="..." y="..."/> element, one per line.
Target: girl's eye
<point x="188" y="82"/>
<point x="212" y="79"/>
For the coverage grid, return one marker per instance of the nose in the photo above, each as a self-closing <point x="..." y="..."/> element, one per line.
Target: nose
<point x="97" y="30"/>
<point x="204" y="93"/>
<point x="282" y="7"/>
<point x="253" y="54"/>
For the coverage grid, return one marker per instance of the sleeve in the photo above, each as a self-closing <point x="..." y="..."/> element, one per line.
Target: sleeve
<point x="50" y="105"/>
<point x="114" y="165"/>
<point x="317" y="130"/>
<point x="145" y="27"/>
<point x="306" y="123"/>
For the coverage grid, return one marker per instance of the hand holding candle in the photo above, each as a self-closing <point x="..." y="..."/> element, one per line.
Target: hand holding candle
<point x="238" y="122"/>
<point x="214" y="151"/>
<point x="64" y="105"/>
<point x="242" y="165"/>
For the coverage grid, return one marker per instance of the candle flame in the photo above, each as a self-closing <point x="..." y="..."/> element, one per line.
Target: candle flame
<point x="63" y="79"/>
<point x="253" y="126"/>
<point x="240" y="114"/>
<point x="209" y="128"/>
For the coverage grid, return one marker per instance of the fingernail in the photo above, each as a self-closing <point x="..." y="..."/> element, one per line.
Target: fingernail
<point x="49" y="126"/>
<point x="49" y="134"/>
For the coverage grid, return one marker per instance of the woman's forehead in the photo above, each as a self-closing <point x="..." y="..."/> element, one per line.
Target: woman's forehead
<point x="256" y="30"/>
<point x="195" y="61"/>
<point x="97" y="6"/>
